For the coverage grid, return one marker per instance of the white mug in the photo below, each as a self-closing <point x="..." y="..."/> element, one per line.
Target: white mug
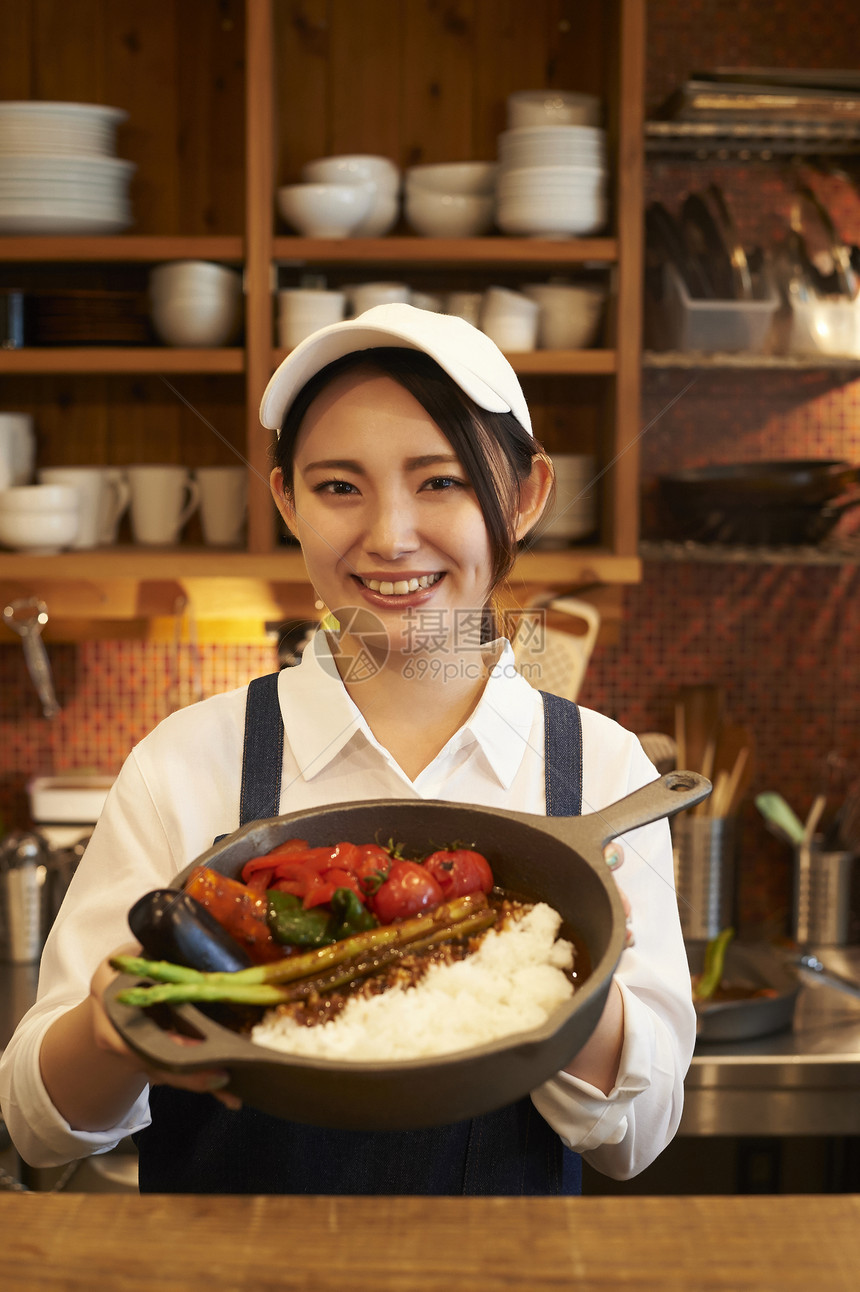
<point x="95" y="494"/>
<point x="223" y="503"/>
<point x="116" y="497"/>
<point x="162" y="499"/>
<point x="17" y="449"/>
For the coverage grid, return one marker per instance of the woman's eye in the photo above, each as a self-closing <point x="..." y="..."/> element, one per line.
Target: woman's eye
<point x="335" y="487"/>
<point x="437" y="483"/>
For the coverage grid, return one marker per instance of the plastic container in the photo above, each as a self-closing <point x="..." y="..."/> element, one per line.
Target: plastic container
<point x="73" y="799"/>
<point x="825" y="327"/>
<point x="715" y="327"/>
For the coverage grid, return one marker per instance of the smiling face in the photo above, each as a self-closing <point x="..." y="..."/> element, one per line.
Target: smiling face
<point x="386" y="516"/>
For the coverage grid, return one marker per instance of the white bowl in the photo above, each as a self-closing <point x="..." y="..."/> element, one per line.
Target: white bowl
<point x="449" y="215"/>
<point x="553" y="217"/>
<point x="363" y="296"/>
<point x="41" y="532"/>
<point x="570" y="314"/>
<point x="193" y="276"/>
<point x="302" y="311"/>
<point x="325" y="210"/>
<point x="454" y="177"/>
<point x="552" y="146"/>
<point x="510" y="319"/>
<point x="553" y="108"/>
<point x="36" y="499"/>
<point x="195" y="322"/>
<point x="349" y="168"/>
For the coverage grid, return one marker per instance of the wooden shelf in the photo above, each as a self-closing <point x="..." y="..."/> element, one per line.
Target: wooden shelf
<point x="545" y="362"/>
<point x="775" y="362"/>
<point x="132" y="247"/>
<point x="512" y="252"/>
<point x="107" y="359"/>
<point x="283" y="566"/>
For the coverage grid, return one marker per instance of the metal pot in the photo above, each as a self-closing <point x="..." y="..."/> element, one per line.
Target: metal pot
<point x="555" y="859"/>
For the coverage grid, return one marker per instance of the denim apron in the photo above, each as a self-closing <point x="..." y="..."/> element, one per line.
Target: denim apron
<point x="195" y="1145"/>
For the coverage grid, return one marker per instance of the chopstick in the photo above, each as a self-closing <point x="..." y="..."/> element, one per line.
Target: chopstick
<point x="722" y="801"/>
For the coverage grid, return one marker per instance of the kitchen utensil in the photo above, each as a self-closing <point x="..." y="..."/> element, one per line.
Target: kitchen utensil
<point x="829" y="976"/>
<point x="665" y="244"/>
<point x="550" y="658"/>
<point x="753" y="965"/>
<point x="707" y="243"/>
<point x="559" y="860"/>
<point x="779" y="816"/>
<point x="27" y="617"/>
<point x="702" y="705"/>
<point x="661" y="749"/>
<point x="810" y="216"/>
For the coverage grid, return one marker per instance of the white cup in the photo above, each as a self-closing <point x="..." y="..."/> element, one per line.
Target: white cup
<point x="223" y="504"/>
<point x="303" y="310"/>
<point x="510" y="319"/>
<point x="466" y="305"/>
<point x="363" y="296"/>
<point x="162" y="499"/>
<point x="116" y="497"/>
<point x="17" y="449"/>
<point x="98" y="496"/>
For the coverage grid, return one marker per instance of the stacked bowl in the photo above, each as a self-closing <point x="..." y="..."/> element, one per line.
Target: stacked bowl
<point x="57" y="170"/>
<point x="574" y="512"/>
<point x="351" y="195"/>
<point x="451" y="199"/>
<point x="195" y="303"/>
<point x="40" y="519"/>
<point x="552" y="173"/>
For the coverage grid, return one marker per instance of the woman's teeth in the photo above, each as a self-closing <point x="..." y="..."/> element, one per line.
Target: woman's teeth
<point x="402" y="586"/>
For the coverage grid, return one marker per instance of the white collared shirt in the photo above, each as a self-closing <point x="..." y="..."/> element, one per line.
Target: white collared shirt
<point x="179" y="789"/>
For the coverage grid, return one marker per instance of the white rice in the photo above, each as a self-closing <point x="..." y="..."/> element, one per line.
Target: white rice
<point x="510" y="984"/>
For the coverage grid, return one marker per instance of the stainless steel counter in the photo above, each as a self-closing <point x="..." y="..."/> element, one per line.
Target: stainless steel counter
<point x="805" y="1081"/>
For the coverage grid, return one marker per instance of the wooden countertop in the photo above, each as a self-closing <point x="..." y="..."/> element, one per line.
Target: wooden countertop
<point x="122" y="1243"/>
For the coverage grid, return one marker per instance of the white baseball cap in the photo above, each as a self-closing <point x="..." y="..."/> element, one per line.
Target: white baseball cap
<point x="468" y="356"/>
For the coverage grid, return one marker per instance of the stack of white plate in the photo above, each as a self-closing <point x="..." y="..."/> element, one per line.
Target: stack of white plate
<point x="57" y="171"/>
<point x="552" y="180"/>
<point x="574" y="513"/>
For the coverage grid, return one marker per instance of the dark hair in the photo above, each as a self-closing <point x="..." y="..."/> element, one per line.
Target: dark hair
<point x="496" y="452"/>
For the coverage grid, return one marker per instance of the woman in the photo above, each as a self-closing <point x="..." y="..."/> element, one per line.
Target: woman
<point x="406" y="467"/>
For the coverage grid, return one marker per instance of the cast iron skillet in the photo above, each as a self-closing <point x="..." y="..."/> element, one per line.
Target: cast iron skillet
<point x="557" y="859"/>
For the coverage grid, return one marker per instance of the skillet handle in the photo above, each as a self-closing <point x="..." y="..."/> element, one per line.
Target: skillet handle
<point x="214" y="1045"/>
<point x="663" y="797"/>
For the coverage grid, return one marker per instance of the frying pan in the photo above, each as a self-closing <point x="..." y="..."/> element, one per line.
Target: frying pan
<point x="555" y="859"/>
<point x="755" y="965"/>
<point x="791" y="501"/>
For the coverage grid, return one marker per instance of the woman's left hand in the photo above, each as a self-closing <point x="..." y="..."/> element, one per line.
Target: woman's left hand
<point x="613" y="855"/>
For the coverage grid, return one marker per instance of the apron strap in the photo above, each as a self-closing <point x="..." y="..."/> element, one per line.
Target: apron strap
<point x="263" y="753"/>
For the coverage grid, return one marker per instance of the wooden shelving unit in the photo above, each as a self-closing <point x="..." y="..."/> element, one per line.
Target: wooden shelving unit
<point x="208" y="168"/>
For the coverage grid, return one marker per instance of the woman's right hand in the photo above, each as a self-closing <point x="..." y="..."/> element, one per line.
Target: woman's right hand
<point x="204" y="1080"/>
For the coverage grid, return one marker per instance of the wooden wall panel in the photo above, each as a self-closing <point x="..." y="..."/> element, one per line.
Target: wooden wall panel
<point x="366" y="77"/>
<point x="16" y="26"/>
<point x="302" y="76"/>
<point x="68" y="50"/>
<point x="437" y="117"/>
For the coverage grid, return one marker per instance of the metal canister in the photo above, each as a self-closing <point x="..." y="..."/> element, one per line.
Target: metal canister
<point x="704" y="851"/>
<point x="22" y="878"/>
<point x="822" y="895"/>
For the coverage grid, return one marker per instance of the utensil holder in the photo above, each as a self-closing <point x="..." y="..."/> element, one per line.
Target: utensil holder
<point x="822" y="895"/>
<point x="704" y="852"/>
<point x="21" y="926"/>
